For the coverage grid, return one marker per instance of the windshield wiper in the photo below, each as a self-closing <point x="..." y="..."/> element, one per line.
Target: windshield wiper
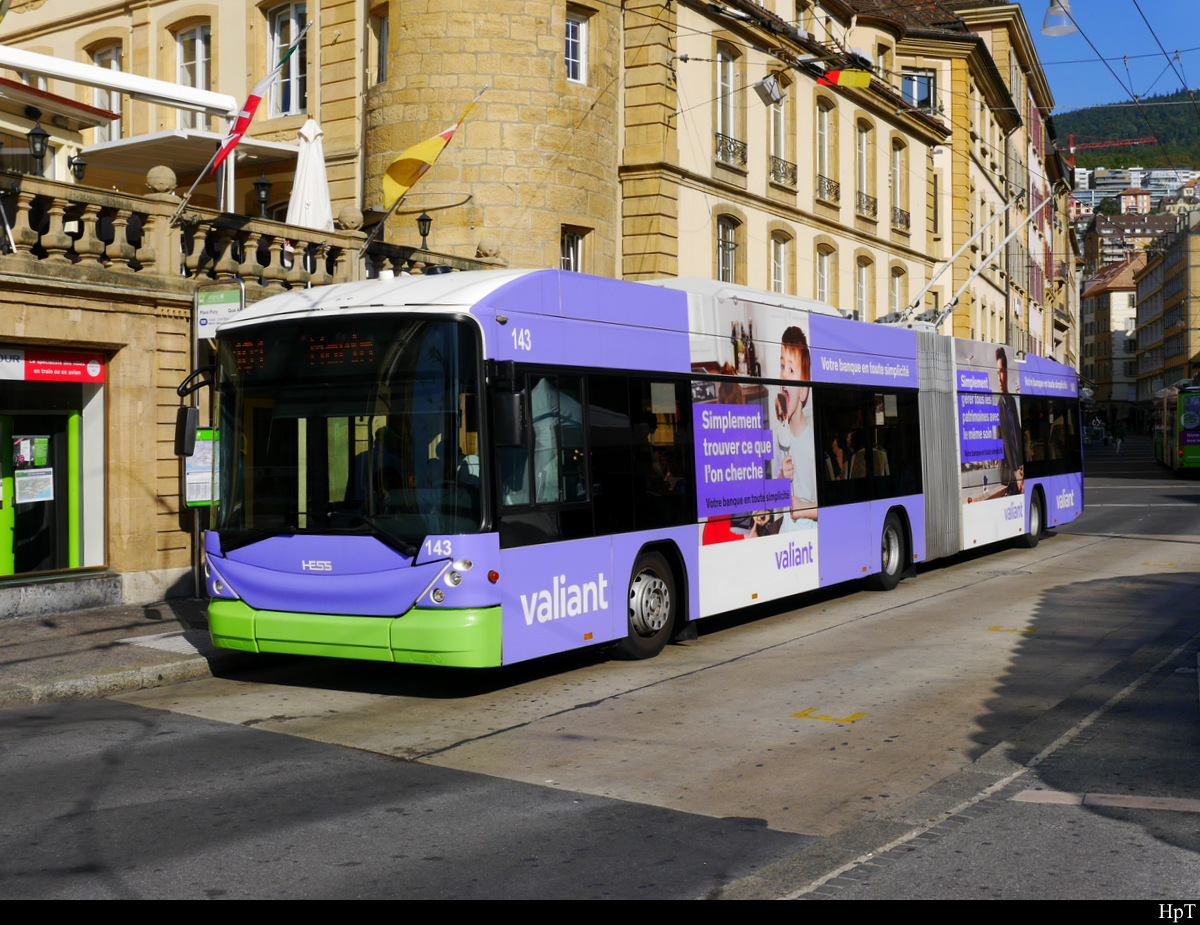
<point x="388" y="539"/>
<point x="236" y="539"/>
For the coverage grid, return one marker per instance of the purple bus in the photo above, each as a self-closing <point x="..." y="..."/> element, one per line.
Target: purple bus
<point x="474" y="469"/>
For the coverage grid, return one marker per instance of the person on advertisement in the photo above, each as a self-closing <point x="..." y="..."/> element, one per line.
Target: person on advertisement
<point x="1012" y="467"/>
<point x="794" y="436"/>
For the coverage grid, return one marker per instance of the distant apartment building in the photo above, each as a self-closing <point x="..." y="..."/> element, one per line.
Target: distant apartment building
<point x="1108" y="354"/>
<point x="1168" y="330"/>
<point x="1134" y="201"/>
<point x="1113" y="238"/>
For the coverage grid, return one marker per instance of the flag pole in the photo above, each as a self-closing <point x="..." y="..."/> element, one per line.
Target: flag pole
<point x="375" y="231"/>
<point x="200" y="176"/>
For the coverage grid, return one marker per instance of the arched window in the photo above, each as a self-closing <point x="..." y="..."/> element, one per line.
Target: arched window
<point x="826" y="152"/>
<point x="864" y="289"/>
<point x="289" y="92"/>
<point x="865" y="203"/>
<point x="193" y="54"/>
<point x="107" y="56"/>
<point x="897" y="290"/>
<point x="728" y="243"/>
<point x="781" y="260"/>
<point x="825" y="274"/>
<point x="781" y="165"/>
<point x="727" y="119"/>
<point x="899" y="183"/>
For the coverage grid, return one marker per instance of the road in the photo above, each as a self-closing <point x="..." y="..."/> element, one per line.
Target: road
<point x="751" y="762"/>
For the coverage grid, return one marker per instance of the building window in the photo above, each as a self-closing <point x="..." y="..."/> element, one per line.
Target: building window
<point x="824" y="141"/>
<point x="576" y="48"/>
<point x="780" y="244"/>
<point x="824" y="274"/>
<point x="919" y="87"/>
<point x="193" y="54"/>
<point x="896" y="293"/>
<point x="725" y="91"/>
<point x="289" y="94"/>
<point x="899" y="183"/>
<point x="865" y="203"/>
<point x="107" y="57"/>
<point x="727" y="245"/>
<point x="778" y="131"/>
<point x="825" y="154"/>
<point x="379" y="44"/>
<point x="571" y="249"/>
<point x="862" y="289"/>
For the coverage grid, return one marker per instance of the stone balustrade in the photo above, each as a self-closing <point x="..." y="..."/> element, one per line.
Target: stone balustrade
<point x="77" y="233"/>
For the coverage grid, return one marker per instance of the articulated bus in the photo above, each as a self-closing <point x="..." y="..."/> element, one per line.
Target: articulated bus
<point x="1177" y="426"/>
<point x="475" y="469"/>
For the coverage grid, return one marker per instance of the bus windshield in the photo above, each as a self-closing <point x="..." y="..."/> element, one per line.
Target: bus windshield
<point x="358" y="425"/>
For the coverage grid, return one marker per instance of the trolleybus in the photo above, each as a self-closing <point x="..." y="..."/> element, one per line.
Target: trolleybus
<point x="1177" y="426"/>
<point x="479" y="468"/>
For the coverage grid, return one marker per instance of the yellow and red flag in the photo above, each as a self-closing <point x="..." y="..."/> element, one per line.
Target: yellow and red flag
<point x="848" y="78"/>
<point x="410" y="166"/>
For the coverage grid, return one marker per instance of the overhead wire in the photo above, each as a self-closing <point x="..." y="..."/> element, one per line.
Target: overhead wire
<point x="1170" y="62"/>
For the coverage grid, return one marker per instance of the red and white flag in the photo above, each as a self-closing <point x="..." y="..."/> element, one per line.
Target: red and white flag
<point x="256" y="96"/>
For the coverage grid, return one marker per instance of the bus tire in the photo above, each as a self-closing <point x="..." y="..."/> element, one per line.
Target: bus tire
<point x="892" y="555"/>
<point x="1036" y="522"/>
<point x="652" y="605"/>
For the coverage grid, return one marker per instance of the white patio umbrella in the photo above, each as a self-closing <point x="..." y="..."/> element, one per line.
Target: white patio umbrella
<point x="310" y="205"/>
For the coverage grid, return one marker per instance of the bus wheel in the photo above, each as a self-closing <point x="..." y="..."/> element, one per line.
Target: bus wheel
<point x="891" y="561"/>
<point x="1030" y="539"/>
<point x="652" y="604"/>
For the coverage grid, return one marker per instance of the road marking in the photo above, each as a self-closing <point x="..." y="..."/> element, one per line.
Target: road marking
<point x="807" y="714"/>
<point x="1160" y="564"/>
<point x="1122" y="801"/>
<point x="998" y="629"/>
<point x="1143" y="505"/>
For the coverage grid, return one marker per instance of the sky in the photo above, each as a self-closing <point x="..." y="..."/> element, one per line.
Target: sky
<point x="1078" y="79"/>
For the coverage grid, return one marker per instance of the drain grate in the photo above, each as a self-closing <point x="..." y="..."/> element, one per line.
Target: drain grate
<point x="181" y="642"/>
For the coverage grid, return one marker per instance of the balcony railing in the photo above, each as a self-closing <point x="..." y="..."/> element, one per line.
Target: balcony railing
<point x="867" y="206"/>
<point x="783" y="172"/>
<point x="901" y="220"/>
<point x="829" y="190"/>
<point x="730" y="151"/>
<point x="77" y="233"/>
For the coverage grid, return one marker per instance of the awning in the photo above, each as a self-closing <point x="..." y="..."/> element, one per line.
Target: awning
<point x="185" y="151"/>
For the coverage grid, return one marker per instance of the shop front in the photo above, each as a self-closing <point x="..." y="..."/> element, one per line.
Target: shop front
<point x="52" y="460"/>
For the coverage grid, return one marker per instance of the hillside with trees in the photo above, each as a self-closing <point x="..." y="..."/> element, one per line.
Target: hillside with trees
<point x="1171" y="118"/>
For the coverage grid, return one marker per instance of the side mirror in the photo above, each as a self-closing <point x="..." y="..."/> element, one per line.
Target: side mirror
<point x="187" y="420"/>
<point x="510" y="419"/>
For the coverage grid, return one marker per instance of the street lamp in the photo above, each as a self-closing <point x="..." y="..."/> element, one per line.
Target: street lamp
<point x="424" y="226"/>
<point x="77" y="165"/>
<point x="38" y="139"/>
<point x="1058" y="19"/>
<point x="262" y="192"/>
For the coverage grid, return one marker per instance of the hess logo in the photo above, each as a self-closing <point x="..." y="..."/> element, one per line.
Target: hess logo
<point x="316" y="565"/>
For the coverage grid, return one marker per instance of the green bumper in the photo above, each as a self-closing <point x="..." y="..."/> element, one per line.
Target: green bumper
<point x="451" y="638"/>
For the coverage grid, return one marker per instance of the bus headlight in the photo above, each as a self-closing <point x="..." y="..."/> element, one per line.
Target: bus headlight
<point x="453" y="579"/>
<point x="438" y="595"/>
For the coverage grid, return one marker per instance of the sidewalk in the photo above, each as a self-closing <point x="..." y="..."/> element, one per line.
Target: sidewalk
<point x="105" y="650"/>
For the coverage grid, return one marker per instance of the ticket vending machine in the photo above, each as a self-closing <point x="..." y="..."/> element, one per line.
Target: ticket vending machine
<point x="39" y="518"/>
